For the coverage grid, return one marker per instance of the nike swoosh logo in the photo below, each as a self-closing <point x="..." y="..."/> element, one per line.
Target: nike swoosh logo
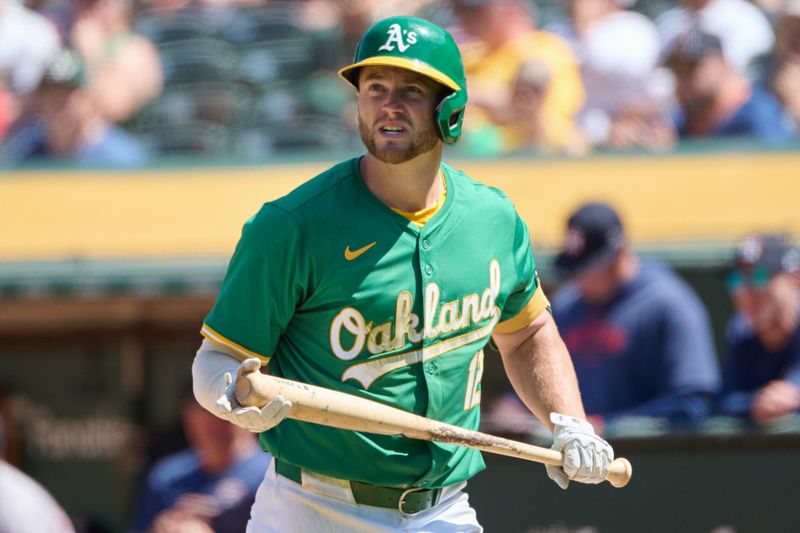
<point x="352" y="254"/>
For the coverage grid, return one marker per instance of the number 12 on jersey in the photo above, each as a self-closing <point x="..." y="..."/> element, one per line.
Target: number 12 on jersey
<point x="473" y="393"/>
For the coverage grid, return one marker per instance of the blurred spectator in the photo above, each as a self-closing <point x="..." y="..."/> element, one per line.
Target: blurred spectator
<point x="743" y="30"/>
<point x="5" y="111"/>
<point x="785" y="72"/>
<point x="325" y="14"/>
<point x="28" y="44"/>
<point x="524" y="85"/>
<point x="207" y="487"/>
<point x="345" y="17"/>
<point x="618" y="51"/>
<point x="339" y="24"/>
<point x="717" y="101"/>
<point x="639" y="337"/>
<point x="771" y="8"/>
<point x="337" y="27"/>
<point x="122" y="68"/>
<point x="25" y="506"/>
<point x="67" y="124"/>
<point x="761" y="370"/>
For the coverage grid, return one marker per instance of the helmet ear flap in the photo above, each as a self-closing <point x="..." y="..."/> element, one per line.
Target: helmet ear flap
<point x="449" y="116"/>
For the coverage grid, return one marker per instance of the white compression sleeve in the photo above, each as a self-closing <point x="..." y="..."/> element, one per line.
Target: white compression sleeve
<point x="208" y="370"/>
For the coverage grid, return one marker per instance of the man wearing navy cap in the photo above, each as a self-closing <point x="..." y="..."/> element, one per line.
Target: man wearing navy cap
<point x="717" y="101"/>
<point x="639" y="337"/>
<point x="761" y="370"/>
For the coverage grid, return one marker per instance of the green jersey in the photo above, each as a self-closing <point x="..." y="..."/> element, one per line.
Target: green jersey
<point x="331" y="287"/>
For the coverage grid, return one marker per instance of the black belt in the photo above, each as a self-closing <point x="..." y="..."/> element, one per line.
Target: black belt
<point x="408" y="501"/>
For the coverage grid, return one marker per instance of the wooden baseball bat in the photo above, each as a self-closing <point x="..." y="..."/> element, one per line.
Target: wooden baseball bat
<point x="338" y="409"/>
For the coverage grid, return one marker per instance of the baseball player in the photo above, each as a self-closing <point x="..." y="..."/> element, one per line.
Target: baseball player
<point x="385" y="277"/>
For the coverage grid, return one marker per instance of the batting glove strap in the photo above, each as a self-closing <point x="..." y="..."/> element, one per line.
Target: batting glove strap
<point x="587" y="457"/>
<point x="252" y="419"/>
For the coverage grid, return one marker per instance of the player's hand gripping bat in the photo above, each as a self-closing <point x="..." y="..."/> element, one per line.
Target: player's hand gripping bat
<point x="345" y="411"/>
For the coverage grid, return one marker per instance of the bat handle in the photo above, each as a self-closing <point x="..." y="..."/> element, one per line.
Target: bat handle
<point x="620" y="472"/>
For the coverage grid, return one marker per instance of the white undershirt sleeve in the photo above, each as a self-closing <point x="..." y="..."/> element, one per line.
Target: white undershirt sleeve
<point x="208" y="370"/>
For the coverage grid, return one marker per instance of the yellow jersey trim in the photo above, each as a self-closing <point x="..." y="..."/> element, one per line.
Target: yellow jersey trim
<point x="536" y="305"/>
<point x="419" y="218"/>
<point x="238" y="349"/>
<point x="409" y="64"/>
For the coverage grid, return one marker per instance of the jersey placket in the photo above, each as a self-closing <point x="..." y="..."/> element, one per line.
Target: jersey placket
<point x="426" y="251"/>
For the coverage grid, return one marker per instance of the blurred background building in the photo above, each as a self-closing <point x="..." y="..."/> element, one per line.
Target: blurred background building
<point x="137" y="136"/>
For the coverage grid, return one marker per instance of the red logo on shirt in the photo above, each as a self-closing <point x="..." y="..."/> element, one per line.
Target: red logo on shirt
<point x="596" y="340"/>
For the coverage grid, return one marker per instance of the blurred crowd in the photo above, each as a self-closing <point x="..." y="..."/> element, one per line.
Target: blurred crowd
<point x="641" y="340"/>
<point x="207" y="487"/>
<point x="121" y="82"/>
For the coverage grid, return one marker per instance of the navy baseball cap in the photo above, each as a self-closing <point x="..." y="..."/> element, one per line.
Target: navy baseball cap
<point x="693" y="46"/>
<point x="594" y="236"/>
<point x="758" y="258"/>
<point x="770" y="252"/>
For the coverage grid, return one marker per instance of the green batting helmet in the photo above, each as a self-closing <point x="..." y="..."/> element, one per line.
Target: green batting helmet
<point x="420" y="46"/>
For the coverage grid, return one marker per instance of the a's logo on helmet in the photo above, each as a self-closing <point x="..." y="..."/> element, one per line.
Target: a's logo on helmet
<point x="396" y="34"/>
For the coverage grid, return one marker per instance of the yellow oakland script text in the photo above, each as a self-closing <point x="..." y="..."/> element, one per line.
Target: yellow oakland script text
<point x="391" y="336"/>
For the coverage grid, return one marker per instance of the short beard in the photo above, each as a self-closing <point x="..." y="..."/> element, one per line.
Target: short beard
<point x="420" y="143"/>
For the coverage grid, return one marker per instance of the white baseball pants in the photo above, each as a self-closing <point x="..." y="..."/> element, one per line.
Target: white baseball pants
<point x="319" y="506"/>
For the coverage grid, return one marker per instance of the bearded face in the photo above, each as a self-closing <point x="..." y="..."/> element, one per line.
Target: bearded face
<point x="396" y="113"/>
<point x="395" y="152"/>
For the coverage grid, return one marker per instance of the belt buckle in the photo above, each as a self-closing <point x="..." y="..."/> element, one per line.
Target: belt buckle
<point x="403" y="499"/>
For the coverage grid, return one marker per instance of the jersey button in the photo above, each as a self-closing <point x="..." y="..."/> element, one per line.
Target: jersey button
<point x="428" y="270"/>
<point x="426" y="244"/>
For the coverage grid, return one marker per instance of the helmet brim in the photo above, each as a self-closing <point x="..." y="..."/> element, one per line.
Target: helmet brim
<point x="413" y="65"/>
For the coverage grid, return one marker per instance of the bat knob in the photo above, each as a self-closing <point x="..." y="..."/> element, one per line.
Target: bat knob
<point x="242" y="391"/>
<point x="620" y="473"/>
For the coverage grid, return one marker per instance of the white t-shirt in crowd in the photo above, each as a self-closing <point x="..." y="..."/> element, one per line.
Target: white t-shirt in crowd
<point x="28" y="45"/>
<point x="618" y="57"/>
<point x="743" y="29"/>
<point x="26" y="506"/>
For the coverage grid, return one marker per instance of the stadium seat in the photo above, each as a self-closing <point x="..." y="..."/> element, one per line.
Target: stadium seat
<point x="211" y="102"/>
<point x="300" y="133"/>
<point x="191" y="138"/>
<point x="273" y="21"/>
<point x="198" y="60"/>
<point x="179" y="26"/>
<point x="277" y="59"/>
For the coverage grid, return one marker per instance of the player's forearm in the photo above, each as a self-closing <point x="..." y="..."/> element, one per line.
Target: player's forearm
<point x="541" y="372"/>
<point x="208" y="370"/>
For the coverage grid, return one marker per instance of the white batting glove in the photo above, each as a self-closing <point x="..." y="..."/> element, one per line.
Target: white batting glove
<point x="250" y="418"/>
<point x="587" y="457"/>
